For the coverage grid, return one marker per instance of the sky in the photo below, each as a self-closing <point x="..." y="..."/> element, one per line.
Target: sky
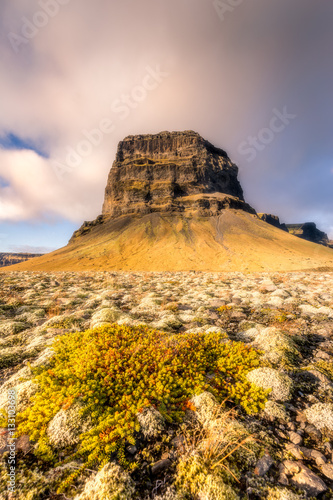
<point x="251" y="76"/>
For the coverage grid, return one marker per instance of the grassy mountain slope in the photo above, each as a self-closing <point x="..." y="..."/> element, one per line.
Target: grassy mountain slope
<point x="233" y="241"/>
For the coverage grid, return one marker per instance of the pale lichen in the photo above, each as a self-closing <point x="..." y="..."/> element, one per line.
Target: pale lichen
<point x="268" y="378"/>
<point x="110" y="483"/>
<point x="151" y="422"/>
<point x="66" y="427"/>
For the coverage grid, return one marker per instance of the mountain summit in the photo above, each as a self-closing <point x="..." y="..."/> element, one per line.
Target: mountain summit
<point x="172" y="172"/>
<point x="173" y="202"/>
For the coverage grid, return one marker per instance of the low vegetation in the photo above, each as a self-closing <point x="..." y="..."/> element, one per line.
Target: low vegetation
<point x="115" y="372"/>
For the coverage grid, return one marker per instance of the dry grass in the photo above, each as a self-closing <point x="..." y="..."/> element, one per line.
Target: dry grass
<point x="217" y="443"/>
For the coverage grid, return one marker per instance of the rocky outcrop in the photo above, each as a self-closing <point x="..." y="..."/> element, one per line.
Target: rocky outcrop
<point x="87" y="226"/>
<point x="273" y="220"/>
<point x="309" y="231"/>
<point x="8" y="259"/>
<point x="172" y="172"/>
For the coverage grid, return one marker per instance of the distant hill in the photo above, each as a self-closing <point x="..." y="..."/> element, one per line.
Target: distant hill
<point x="8" y="259"/>
<point x="173" y="202"/>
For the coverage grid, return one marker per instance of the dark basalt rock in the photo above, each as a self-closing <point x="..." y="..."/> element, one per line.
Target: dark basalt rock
<point x="172" y="172"/>
<point x="309" y="231"/>
<point x="273" y="220"/>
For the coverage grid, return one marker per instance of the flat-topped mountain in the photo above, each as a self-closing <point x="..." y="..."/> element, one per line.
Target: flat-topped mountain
<point x="173" y="202"/>
<point x="171" y="172"/>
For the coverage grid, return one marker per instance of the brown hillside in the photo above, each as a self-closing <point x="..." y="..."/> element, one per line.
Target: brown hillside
<point x="232" y="241"/>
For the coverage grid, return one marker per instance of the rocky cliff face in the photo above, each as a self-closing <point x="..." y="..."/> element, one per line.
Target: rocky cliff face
<point x="8" y="259"/>
<point x="309" y="231"/>
<point x="171" y="172"/>
<point x="273" y="220"/>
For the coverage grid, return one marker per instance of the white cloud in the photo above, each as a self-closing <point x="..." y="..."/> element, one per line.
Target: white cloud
<point x="35" y="193"/>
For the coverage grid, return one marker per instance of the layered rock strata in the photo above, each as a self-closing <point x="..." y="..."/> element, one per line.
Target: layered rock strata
<point x="172" y="172"/>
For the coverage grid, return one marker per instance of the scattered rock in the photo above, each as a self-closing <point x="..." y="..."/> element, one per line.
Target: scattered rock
<point x="295" y="438"/>
<point x="327" y="470"/>
<point x="263" y="465"/>
<point x="308" y="481"/>
<point x="160" y="466"/>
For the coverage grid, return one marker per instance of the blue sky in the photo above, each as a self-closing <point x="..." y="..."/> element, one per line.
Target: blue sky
<point x="35" y="237"/>
<point x="144" y="67"/>
<point x="10" y="141"/>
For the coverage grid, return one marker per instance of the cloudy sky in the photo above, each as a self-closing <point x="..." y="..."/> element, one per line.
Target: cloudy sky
<point x="254" y="77"/>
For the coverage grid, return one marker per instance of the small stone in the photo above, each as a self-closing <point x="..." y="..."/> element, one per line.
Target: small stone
<point x="289" y="467"/>
<point x="283" y="479"/>
<point x="295" y="438"/>
<point x="313" y="432"/>
<point x="308" y="481"/>
<point x="306" y="452"/>
<point x="318" y="457"/>
<point x="160" y="466"/>
<point x="24" y="444"/>
<point x="323" y="355"/>
<point x="179" y="442"/>
<point x="327" y="470"/>
<point x="263" y="465"/>
<point x="132" y="450"/>
<point x="295" y="451"/>
<point x="329" y="447"/>
<point x="4" y="436"/>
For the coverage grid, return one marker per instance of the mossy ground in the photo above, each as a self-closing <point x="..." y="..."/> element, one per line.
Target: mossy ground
<point x="115" y="372"/>
<point x="212" y="355"/>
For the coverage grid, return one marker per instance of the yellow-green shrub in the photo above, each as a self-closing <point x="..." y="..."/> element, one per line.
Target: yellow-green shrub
<point x="117" y="371"/>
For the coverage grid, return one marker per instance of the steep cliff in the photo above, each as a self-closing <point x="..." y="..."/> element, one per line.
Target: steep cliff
<point x="309" y="231"/>
<point x="273" y="220"/>
<point x="172" y="172"/>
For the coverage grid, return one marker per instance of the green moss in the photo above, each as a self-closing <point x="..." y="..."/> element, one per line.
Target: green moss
<point x="326" y="368"/>
<point x="68" y="322"/>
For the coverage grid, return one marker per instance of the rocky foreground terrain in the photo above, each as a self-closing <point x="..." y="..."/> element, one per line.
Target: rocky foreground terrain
<point x="224" y="448"/>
